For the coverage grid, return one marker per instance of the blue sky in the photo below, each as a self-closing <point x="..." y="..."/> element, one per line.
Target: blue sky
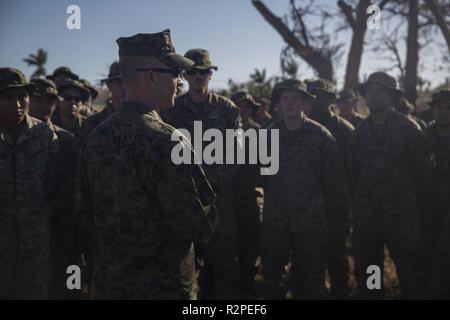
<point x="236" y="35"/>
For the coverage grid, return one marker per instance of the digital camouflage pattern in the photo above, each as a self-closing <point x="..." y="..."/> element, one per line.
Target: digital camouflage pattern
<point x="296" y="199"/>
<point x="139" y="213"/>
<point x="93" y="122"/>
<point x="391" y="177"/>
<point x="28" y="169"/>
<point x="220" y="113"/>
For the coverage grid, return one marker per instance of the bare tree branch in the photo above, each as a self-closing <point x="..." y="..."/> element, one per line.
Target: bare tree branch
<point x="440" y="20"/>
<point x="348" y="13"/>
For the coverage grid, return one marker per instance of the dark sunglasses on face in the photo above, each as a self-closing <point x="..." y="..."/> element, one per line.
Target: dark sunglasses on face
<point x="174" y="73"/>
<point x="69" y="97"/>
<point x="193" y="72"/>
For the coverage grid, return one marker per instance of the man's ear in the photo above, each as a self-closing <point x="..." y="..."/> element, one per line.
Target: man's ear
<point x="210" y="75"/>
<point x="150" y="78"/>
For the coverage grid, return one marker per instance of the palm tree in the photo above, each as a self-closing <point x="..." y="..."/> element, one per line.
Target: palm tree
<point x="37" y="60"/>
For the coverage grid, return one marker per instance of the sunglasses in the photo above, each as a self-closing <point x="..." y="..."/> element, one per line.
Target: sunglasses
<point x="174" y="73"/>
<point x="193" y="72"/>
<point x="69" y="97"/>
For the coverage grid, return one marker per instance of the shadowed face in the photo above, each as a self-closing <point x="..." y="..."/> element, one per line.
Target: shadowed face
<point x="292" y="104"/>
<point x="198" y="79"/>
<point x="42" y="107"/>
<point x="245" y="109"/>
<point x="13" y="106"/>
<point x="117" y="90"/>
<point x="72" y="102"/>
<point x="378" y="97"/>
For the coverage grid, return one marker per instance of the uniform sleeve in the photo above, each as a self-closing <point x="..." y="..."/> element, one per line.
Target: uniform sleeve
<point x="182" y="193"/>
<point x="420" y="153"/>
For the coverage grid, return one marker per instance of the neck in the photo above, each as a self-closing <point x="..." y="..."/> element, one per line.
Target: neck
<point x="293" y="123"/>
<point x="379" y="115"/>
<point x="200" y="95"/>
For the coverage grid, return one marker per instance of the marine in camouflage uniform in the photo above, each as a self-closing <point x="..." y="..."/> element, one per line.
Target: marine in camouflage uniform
<point x="338" y="222"/>
<point x="297" y="197"/>
<point x="391" y="177"/>
<point x="438" y="227"/>
<point x="246" y="207"/>
<point x="139" y="212"/>
<point x="218" y="276"/>
<point x="346" y="102"/>
<point x="43" y="102"/>
<point x="28" y="158"/>
<point x="67" y="114"/>
<point x="114" y="83"/>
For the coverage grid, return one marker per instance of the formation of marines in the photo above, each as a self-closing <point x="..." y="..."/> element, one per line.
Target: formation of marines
<point x="100" y="189"/>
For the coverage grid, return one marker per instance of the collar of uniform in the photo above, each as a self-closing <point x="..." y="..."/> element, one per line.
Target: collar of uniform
<point x="134" y="106"/>
<point x="390" y="115"/>
<point x="192" y="105"/>
<point x="130" y="106"/>
<point x="23" y="131"/>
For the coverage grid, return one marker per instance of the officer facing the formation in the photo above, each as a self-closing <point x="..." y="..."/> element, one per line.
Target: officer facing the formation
<point x="246" y="207"/>
<point x="438" y="230"/>
<point x="62" y="74"/>
<point x="297" y="197"/>
<point x="338" y="222"/>
<point x="218" y="277"/>
<point x="28" y="158"/>
<point x="67" y="115"/>
<point x="43" y="101"/>
<point x="391" y="174"/>
<point x="346" y="102"/>
<point x="139" y="212"/>
<point x="115" y="86"/>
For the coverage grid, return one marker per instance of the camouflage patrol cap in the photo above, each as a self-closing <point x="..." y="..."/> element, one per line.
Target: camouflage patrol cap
<point x="442" y="95"/>
<point x="13" y="78"/>
<point x="149" y="50"/>
<point x="201" y="59"/>
<point x="347" y="95"/>
<point x="323" y="88"/>
<point x="63" y="71"/>
<point x="382" y="78"/>
<point x="90" y="87"/>
<point x="44" y="87"/>
<point x="114" y="72"/>
<point x="293" y="85"/>
<point x="69" y="83"/>
<point x="244" y="95"/>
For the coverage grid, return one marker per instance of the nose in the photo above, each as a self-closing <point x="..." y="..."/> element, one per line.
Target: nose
<point x="179" y="82"/>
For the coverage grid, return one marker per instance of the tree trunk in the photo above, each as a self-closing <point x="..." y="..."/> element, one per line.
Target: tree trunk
<point x="359" y="27"/>
<point x="320" y="63"/>
<point x="412" y="53"/>
<point x="440" y="20"/>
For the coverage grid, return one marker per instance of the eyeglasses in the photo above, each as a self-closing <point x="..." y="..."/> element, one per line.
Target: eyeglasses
<point x="193" y="72"/>
<point x="69" y="97"/>
<point x="175" y="73"/>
